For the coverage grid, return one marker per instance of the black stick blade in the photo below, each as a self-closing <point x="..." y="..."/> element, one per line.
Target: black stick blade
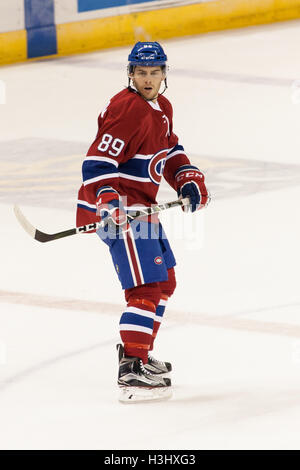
<point x="48" y="237"/>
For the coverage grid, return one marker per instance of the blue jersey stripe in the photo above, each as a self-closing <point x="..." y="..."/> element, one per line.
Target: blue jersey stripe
<point x="92" y="169"/>
<point x="135" y="167"/>
<point x="176" y="149"/>
<point x="135" y="319"/>
<point x="186" y="168"/>
<point x="106" y="189"/>
<point x="160" y="310"/>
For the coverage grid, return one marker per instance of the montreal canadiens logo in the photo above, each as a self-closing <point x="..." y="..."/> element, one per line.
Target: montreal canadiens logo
<point x="158" y="260"/>
<point x="156" y="166"/>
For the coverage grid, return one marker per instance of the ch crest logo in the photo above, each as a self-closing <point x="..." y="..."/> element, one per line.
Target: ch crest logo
<point x="156" y="166"/>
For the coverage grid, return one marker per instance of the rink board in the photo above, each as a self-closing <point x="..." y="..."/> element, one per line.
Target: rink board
<point x="31" y="29"/>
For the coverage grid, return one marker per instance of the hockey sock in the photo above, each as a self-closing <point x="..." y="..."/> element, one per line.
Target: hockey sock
<point x="160" y="310"/>
<point x="136" y="327"/>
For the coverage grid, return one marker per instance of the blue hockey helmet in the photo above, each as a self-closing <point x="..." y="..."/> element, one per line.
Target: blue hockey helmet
<point x="147" y="54"/>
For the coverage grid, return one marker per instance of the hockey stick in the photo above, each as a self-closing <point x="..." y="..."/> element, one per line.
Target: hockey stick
<point x="47" y="237"/>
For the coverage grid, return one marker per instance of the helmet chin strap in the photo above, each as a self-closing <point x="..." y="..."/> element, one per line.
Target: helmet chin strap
<point x="166" y="86"/>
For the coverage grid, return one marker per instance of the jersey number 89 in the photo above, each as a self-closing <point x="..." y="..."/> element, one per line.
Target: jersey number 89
<point x="115" y="144"/>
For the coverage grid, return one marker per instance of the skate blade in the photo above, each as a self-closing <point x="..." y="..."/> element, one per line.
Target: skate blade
<point x="143" y="394"/>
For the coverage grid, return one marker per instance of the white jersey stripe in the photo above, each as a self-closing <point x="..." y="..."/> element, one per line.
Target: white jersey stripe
<point x="139" y="311"/>
<point x="136" y="255"/>
<point x="177" y="152"/>
<point x="100" y="178"/>
<point x="84" y="203"/>
<point x="142" y="329"/>
<point x="158" y="319"/>
<point x="102" y="159"/>
<point x="135" y="178"/>
<point x="129" y="259"/>
<point x="140" y="156"/>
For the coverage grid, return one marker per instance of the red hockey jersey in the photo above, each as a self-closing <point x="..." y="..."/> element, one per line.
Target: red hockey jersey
<point x="135" y="146"/>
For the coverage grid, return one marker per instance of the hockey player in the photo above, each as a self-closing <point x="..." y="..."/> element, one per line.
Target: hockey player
<point x="135" y="146"/>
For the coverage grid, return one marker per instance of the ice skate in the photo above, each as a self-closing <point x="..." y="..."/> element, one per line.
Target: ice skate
<point x="159" y="368"/>
<point x="137" y="384"/>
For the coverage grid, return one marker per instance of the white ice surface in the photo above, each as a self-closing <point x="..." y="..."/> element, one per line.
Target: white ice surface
<point x="232" y="329"/>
